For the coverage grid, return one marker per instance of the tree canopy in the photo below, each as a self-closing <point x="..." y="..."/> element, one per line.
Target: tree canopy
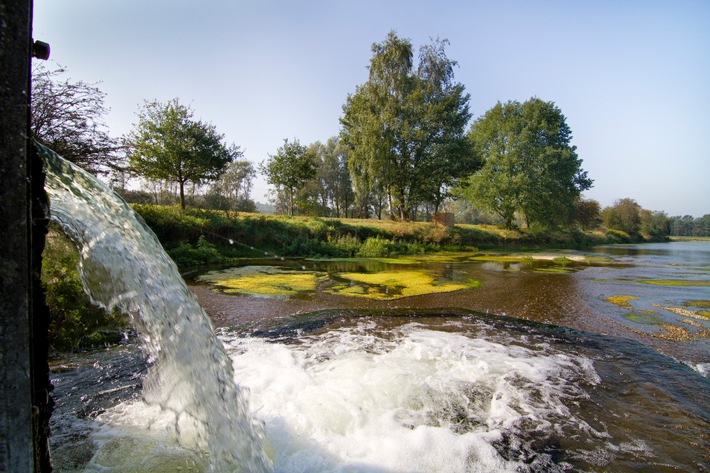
<point x="67" y="117"/>
<point x="289" y="169"/>
<point x="232" y="190"/>
<point x="405" y="128"/>
<point x="530" y="167"/>
<point x="168" y="144"/>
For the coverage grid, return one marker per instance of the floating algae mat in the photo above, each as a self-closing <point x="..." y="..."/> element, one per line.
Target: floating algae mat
<point x="674" y="282"/>
<point x="264" y="281"/>
<point x="622" y="300"/>
<point x="387" y="285"/>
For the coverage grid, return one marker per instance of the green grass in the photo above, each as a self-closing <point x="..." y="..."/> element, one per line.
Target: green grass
<point x="197" y="237"/>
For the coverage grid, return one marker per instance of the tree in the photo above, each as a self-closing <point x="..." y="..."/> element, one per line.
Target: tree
<point x="587" y="213"/>
<point x="624" y="215"/>
<point x="68" y="117"/>
<point x="530" y="167"/>
<point x="331" y="187"/>
<point x="405" y="129"/>
<point x="655" y="224"/>
<point x="289" y="169"/>
<point x="235" y="185"/>
<point x="168" y="144"/>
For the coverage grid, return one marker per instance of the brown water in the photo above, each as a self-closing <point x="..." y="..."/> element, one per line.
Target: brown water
<point x="574" y="299"/>
<point x="425" y="384"/>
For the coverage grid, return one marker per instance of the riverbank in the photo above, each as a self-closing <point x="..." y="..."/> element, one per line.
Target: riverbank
<point x="198" y="237"/>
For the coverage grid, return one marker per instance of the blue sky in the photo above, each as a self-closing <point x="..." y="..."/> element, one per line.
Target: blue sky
<point x="632" y="77"/>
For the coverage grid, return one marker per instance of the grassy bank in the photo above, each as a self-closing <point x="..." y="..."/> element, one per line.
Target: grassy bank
<point x="196" y="237"/>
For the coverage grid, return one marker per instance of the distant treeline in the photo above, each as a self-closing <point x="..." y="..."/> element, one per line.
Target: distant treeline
<point x="687" y="226"/>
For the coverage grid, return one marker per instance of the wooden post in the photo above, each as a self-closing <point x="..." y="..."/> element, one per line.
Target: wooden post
<point x="24" y="404"/>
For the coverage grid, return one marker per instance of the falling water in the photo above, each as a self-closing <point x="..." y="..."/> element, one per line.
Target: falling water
<point x="123" y="265"/>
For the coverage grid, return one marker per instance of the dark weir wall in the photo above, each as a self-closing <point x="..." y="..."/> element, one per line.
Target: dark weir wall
<point x="24" y="379"/>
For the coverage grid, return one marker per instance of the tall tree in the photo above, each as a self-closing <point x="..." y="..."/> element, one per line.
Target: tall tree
<point x="289" y="169"/>
<point x="331" y="185"/>
<point x="655" y="224"/>
<point x="404" y="128"/>
<point x="587" y="213"/>
<point x="530" y="166"/>
<point x="236" y="183"/>
<point x="624" y="215"/>
<point x="68" y="117"/>
<point x="168" y="144"/>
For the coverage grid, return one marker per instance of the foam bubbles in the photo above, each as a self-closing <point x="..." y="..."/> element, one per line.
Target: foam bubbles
<point x="416" y="400"/>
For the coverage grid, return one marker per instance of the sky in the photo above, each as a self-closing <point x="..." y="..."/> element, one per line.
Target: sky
<point x="631" y="77"/>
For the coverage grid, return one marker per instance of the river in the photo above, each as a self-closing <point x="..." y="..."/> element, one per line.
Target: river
<point x="568" y="361"/>
<point x="573" y="295"/>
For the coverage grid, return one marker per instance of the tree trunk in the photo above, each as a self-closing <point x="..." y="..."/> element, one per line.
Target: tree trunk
<point x="182" y="195"/>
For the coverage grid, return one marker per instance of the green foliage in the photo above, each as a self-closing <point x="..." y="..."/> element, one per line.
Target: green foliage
<point x="203" y="253"/>
<point x="687" y="226"/>
<point x="231" y="191"/>
<point x="625" y="217"/>
<point x="376" y="247"/>
<point x="75" y="322"/>
<point x="618" y="236"/>
<point x="289" y="169"/>
<point x="404" y="129"/>
<point x="530" y="167"/>
<point x="587" y="213"/>
<point x="329" y="193"/>
<point x="655" y="225"/>
<point x="198" y="236"/>
<point x="168" y="144"/>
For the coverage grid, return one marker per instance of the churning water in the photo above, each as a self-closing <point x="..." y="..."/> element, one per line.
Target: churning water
<point x="384" y="391"/>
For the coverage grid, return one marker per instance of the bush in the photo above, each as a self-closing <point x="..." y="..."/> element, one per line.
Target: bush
<point x="203" y="253"/>
<point x="618" y="236"/>
<point x="376" y="247"/>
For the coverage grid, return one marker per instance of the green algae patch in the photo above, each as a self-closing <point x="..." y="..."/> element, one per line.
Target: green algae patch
<point x="554" y="269"/>
<point x="389" y="285"/>
<point x="645" y="319"/>
<point x="622" y="300"/>
<point x="701" y="304"/>
<point x="674" y="282"/>
<point x="269" y="281"/>
<point x="402" y="261"/>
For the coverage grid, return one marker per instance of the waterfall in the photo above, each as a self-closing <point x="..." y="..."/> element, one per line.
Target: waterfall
<point x="123" y="265"/>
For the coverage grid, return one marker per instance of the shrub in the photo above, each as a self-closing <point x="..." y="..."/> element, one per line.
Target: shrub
<point x="376" y="247"/>
<point x="203" y="253"/>
<point x="618" y="236"/>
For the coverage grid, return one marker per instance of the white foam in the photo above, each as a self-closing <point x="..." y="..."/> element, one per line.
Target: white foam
<point x="425" y="401"/>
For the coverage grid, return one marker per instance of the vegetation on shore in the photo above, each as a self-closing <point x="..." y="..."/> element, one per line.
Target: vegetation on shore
<point x="197" y="237"/>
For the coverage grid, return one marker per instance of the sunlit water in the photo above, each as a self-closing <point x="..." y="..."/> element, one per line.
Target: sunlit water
<point x="377" y="391"/>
